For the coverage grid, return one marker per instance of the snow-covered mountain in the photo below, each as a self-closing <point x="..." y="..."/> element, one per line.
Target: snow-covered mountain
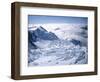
<point x="57" y="44"/>
<point x="42" y="34"/>
<point x="39" y="34"/>
<point x="63" y="30"/>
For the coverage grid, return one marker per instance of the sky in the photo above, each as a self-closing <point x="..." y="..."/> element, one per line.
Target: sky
<point x="36" y="19"/>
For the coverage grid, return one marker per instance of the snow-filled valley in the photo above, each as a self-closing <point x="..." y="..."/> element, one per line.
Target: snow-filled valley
<point x="57" y="44"/>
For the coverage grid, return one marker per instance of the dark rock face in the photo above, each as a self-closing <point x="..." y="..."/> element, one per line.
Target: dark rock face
<point x="76" y="42"/>
<point x="31" y="40"/>
<point x="85" y="27"/>
<point x="43" y="34"/>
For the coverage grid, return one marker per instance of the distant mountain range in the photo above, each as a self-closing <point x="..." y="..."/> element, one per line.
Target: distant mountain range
<point x="77" y="36"/>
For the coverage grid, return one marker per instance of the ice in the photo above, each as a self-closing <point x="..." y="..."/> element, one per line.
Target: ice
<point x="53" y="54"/>
<point x="71" y="47"/>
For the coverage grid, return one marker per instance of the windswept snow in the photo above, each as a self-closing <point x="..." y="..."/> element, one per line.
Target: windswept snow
<point x="70" y="48"/>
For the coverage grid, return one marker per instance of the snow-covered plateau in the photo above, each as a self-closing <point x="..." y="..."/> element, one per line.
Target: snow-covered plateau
<point x="57" y="44"/>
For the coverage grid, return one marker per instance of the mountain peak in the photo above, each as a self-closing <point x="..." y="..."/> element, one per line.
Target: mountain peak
<point x="41" y="28"/>
<point x="42" y="34"/>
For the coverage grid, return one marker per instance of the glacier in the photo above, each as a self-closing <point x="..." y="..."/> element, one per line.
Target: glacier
<point x="57" y="44"/>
